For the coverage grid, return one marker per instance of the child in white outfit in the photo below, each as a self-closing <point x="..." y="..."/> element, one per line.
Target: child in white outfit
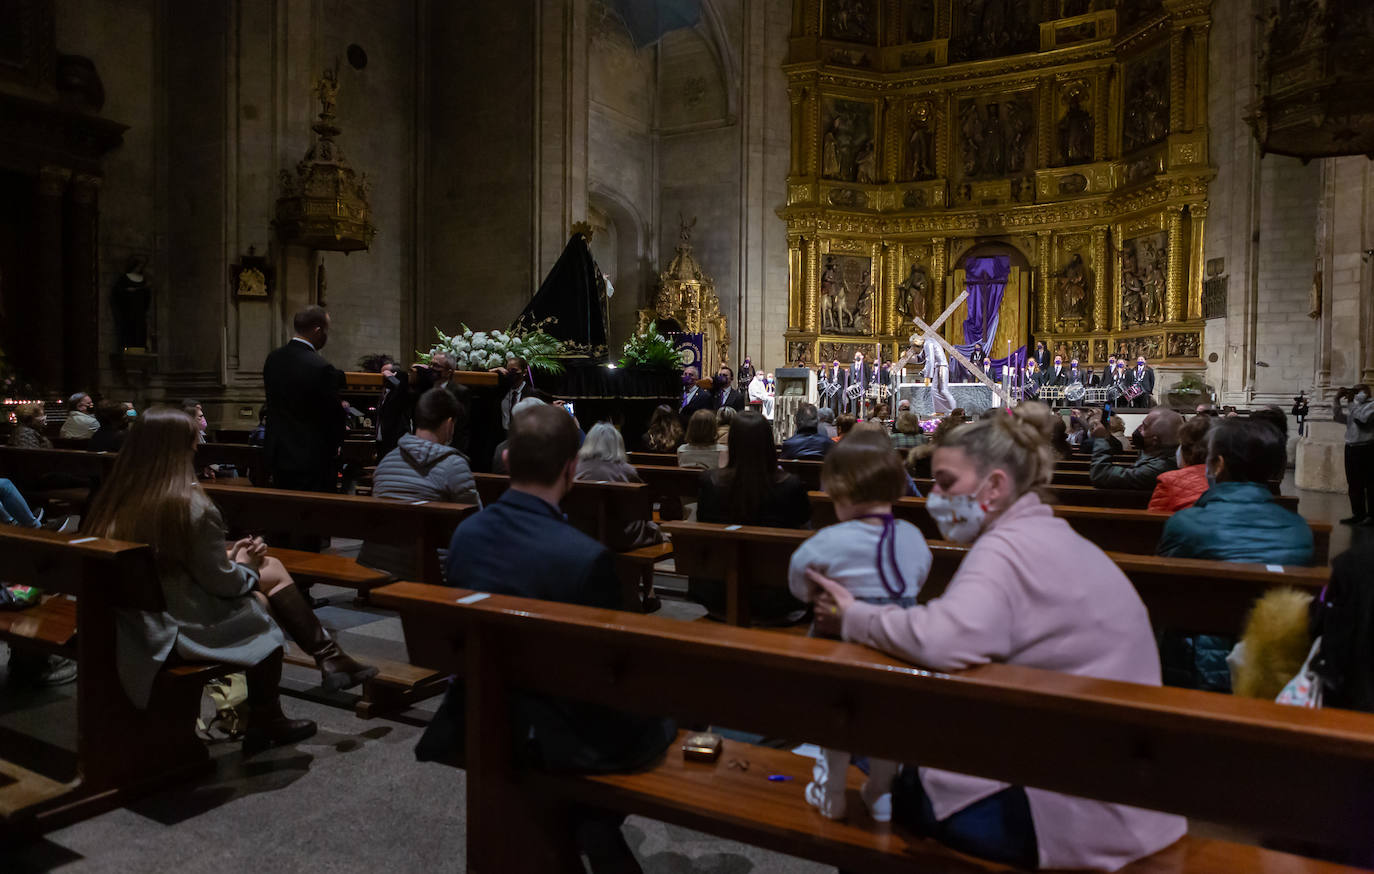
<point x="881" y="560"/>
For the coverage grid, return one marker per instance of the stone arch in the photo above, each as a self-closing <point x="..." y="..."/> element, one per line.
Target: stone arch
<point x="624" y="250"/>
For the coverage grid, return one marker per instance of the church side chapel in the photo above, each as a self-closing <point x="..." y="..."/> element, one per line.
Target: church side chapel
<point x="687" y="435"/>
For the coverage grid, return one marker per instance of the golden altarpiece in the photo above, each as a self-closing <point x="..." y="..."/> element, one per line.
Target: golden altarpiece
<point x="686" y="300"/>
<point x="1066" y="139"/>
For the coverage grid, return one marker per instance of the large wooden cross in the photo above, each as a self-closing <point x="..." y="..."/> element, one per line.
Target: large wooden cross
<point x="930" y="332"/>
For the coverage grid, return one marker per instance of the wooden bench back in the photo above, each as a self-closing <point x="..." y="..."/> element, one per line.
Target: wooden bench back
<point x="595" y="508"/>
<point x="1160" y="748"/>
<point x="1189" y="594"/>
<point x="248" y="460"/>
<point x="424" y="526"/>
<point x="1114" y="530"/>
<point x="30" y="464"/>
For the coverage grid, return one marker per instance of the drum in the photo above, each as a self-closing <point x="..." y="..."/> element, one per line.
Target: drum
<point x="1133" y="391"/>
<point x="1075" y="392"/>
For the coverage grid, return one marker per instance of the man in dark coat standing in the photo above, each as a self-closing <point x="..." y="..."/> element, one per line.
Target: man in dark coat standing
<point x="1143" y="376"/>
<point x="305" y="421"/>
<point x="698" y="397"/>
<point x="726" y="393"/>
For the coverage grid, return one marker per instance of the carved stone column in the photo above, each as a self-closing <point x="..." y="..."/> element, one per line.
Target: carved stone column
<point x="797" y="96"/>
<point x="811" y="295"/>
<point x="1174" y="293"/>
<point x="83" y="284"/>
<point x="1042" y="284"/>
<point x="938" y="270"/>
<point x="1102" y="281"/>
<point x="52" y="186"/>
<point x="1197" y="221"/>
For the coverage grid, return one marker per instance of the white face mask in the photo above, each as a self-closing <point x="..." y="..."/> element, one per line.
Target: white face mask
<point x="1178" y="456"/>
<point x="959" y="517"/>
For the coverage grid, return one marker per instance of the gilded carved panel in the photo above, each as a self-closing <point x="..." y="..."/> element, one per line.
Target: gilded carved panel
<point x="848" y="144"/>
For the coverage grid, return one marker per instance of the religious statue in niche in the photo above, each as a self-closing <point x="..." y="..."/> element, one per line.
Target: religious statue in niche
<point x="1143" y="263"/>
<point x="129" y="299"/>
<point x="1099" y="351"/>
<point x="1071" y="288"/>
<point x="995" y="137"/>
<point x="847" y="147"/>
<point x="920" y="20"/>
<point x="992" y="29"/>
<point x="1183" y="345"/>
<point x="846" y="288"/>
<point x="911" y="294"/>
<point x="1076" y="127"/>
<point x="798" y="355"/>
<point x="1146" y="101"/>
<point x="852" y="20"/>
<point x="920" y="158"/>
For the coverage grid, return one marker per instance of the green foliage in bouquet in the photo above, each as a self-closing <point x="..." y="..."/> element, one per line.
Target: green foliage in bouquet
<point x="651" y="349"/>
<point x="483" y="350"/>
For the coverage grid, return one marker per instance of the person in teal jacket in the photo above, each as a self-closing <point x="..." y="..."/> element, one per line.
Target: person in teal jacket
<point x="1236" y="519"/>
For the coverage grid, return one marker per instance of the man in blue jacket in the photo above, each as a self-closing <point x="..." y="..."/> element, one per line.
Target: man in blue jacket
<point x="806" y="442"/>
<point x="522" y="545"/>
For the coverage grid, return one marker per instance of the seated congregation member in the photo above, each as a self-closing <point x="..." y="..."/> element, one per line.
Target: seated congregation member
<point x="602" y="458"/>
<point x="218" y="598"/>
<point x="701" y="449"/>
<point x="422" y="467"/>
<point x="114" y="422"/>
<point x="751" y="490"/>
<point x="725" y="417"/>
<point x="665" y="431"/>
<point x="80" y="423"/>
<point x="192" y="408"/>
<point x="806" y="442"/>
<point x="826" y="428"/>
<point x="30" y="420"/>
<point x="1030" y="592"/>
<point x="875" y="435"/>
<point x="843" y="425"/>
<point x="14" y="510"/>
<point x="522" y="545"/>
<point x="498" y="458"/>
<point x="878" y="560"/>
<point x="907" y="433"/>
<point x="1156" y="439"/>
<point x="1237" y="519"/>
<point x="1059" y="439"/>
<point x="1176" y="489"/>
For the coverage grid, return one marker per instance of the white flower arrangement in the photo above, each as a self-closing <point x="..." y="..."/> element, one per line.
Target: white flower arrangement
<point x="481" y="350"/>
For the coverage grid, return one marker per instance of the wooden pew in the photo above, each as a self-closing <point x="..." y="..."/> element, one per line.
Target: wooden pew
<point x="1091" y="496"/>
<point x="1132" y="531"/>
<point x="425" y="526"/>
<point x="247" y="460"/>
<point x="1288" y="771"/>
<point x="597" y="509"/>
<point x="1186" y="594"/>
<point x="122" y="752"/>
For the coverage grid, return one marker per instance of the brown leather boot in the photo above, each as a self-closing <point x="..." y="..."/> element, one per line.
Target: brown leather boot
<point x="337" y="669"/>
<point x="267" y="725"/>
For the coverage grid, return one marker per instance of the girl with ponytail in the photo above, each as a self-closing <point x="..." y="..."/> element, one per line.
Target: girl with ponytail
<point x="1029" y="592"/>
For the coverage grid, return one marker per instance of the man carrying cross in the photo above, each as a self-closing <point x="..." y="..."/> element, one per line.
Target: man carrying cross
<point x="937" y="371"/>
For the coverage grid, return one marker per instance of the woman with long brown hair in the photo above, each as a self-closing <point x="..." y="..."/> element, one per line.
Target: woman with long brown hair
<point x="665" y="431"/>
<point x="217" y="598"/>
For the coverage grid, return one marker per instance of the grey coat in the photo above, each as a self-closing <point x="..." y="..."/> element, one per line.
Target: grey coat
<point x="211" y="614"/>
<point x="417" y="470"/>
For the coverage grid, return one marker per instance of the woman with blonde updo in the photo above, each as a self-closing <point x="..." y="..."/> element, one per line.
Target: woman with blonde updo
<point x="1030" y="592"/>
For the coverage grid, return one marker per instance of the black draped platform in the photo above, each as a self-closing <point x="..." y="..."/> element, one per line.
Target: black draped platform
<point x="626" y="395"/>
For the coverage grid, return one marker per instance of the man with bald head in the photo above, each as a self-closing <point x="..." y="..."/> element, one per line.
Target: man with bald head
<point x="1157" y="441"/>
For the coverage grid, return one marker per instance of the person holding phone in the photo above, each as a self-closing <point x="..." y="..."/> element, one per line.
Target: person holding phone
<point x="1359" y="451"/>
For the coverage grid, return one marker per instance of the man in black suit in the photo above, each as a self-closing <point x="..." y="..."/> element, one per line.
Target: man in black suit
<point x="726" y="393"/>
<point x="698" y="397"/>
<point x="515" y="378"/>
<point x="1057" y="375"/>
<point x="521" y="545"/>
<point x="1143" y="376"/>
<point x="305" y="421"/>
<point x="442" y="374"/>
<point x="1042" y="357"/>
<point x="1108" y="373"/>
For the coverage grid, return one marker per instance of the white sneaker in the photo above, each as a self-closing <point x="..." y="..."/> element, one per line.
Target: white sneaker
<point x="830" y="804"/>
<point x="879" y="804"/>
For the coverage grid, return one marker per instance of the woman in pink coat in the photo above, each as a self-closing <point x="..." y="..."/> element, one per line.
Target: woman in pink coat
<point x="1030" y="592"/>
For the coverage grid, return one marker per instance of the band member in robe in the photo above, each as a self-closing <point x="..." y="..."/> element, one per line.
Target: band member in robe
<point x="936" y="372"/>
<point x="746" y="374"/>
<point x="1143" y="376"/>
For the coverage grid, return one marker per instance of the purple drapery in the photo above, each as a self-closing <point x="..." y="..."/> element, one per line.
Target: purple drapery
<point x="985" y="279"/>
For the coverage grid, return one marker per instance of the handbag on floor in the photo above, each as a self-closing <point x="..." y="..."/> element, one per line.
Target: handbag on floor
<point x="224" y="708"/>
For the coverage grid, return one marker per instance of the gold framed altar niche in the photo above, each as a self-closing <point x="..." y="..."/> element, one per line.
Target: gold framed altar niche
<point x="1076" y="139"/>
